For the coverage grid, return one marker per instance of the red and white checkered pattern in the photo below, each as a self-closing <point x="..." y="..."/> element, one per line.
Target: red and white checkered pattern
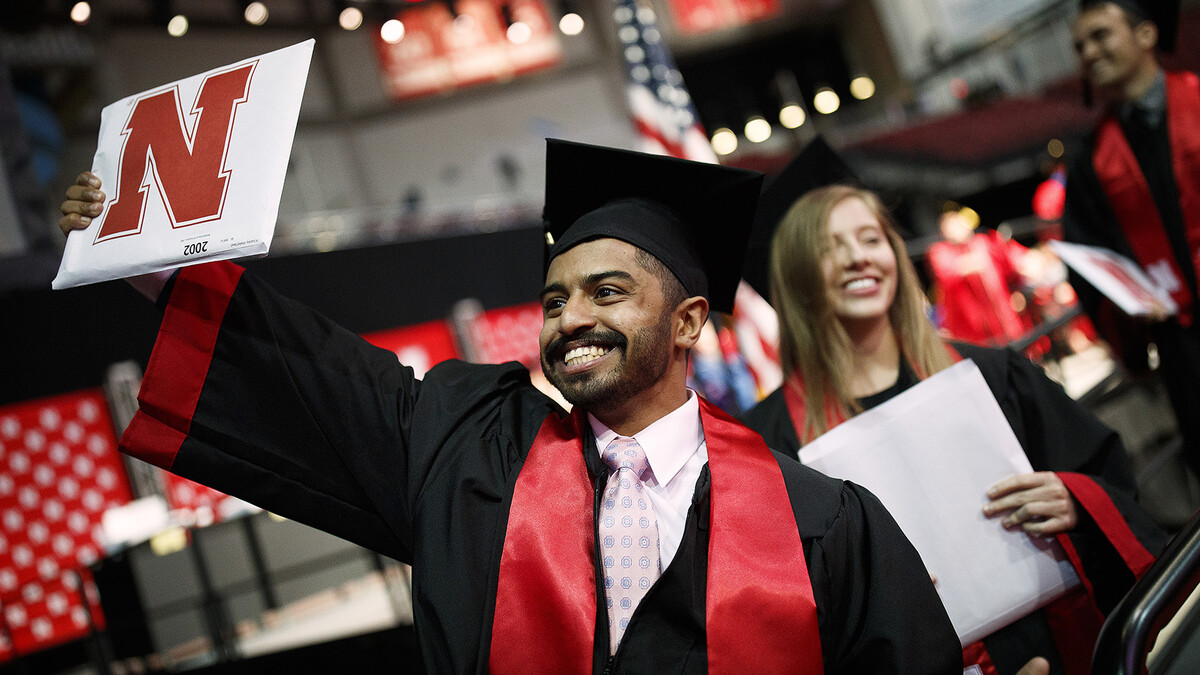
<point x="59" y="472"/>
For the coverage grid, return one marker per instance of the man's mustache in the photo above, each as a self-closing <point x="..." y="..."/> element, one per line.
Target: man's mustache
<point x="558" y="346"/>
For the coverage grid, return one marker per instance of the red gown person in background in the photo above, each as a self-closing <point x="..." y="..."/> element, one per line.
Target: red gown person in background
<point x="1134" y="187"/>
<point x="977" y="274"/>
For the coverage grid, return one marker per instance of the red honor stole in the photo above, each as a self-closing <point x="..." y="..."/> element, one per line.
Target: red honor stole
<point x="759" y="607"/>
<point x="1129" y="194"/>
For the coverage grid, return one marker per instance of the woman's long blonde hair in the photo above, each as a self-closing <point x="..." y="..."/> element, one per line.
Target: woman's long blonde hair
<point x="812" y="341"/>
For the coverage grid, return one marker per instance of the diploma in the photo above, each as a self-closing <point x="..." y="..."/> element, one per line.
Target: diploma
<point x="930" y="454"/>
<point x="1118" y="278"/>
<point x="191" y="171"/>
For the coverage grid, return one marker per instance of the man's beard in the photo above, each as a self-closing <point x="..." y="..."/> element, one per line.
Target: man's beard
<point x="640" y="367"/>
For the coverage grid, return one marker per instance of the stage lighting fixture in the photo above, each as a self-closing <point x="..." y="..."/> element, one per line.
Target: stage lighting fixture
<point x="792" y="115"/>
<point x="826" y="101"/>
<point x="724" y="141"/>
<point x="758" y="129"/>
<point x="177" y="26"/>
<point x="570" y="21"/>
<point x="518" y="32"/>
<point x="81" y="12"/>
<point x="862" y="87"/>
<point x="255" y="13"/>
<point x="350" y="18"/>
<point x="392" y="31"/>
<point x="571" y="24"/>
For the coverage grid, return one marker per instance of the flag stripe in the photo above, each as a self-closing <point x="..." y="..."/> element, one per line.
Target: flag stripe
<point x="659" y="103"/>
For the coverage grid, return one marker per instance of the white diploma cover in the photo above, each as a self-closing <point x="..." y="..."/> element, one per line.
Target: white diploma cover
<point x="192" y="171"/>
<point x="930" y="455"/>
<point x="1119" y="278"/>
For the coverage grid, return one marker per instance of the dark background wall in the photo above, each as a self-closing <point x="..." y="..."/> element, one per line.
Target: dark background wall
<point x="58" y="341"/>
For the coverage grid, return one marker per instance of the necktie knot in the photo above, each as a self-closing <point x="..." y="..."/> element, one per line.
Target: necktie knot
<point x="625" y="453"/>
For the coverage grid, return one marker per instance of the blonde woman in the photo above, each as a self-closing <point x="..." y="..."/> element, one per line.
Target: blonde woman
<point x="853" y="334"/>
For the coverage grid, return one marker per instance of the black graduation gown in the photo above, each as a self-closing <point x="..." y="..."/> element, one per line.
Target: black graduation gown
<point x="305" y="419"/>
<point x="1057" y="434"/>
<point x="1088" y="219"/>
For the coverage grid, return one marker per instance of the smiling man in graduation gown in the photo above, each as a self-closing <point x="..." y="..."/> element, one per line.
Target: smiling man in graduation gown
<point x="1134" y="187"/>
<point x="699" y="549"/>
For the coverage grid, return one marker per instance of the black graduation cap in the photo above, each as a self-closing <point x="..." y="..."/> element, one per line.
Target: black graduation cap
<point x="694" y="217"/>
<point x="1164" y="14"/>
<point x="817" y="165"/>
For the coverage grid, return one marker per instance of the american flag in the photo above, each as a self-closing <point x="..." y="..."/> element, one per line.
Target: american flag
<point x="658" y="101"/>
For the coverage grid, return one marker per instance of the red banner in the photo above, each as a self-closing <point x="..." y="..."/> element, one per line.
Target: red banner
<point x="694" y="17"/>
<point x="421" y="347"/>
<point x="440" y="51"/>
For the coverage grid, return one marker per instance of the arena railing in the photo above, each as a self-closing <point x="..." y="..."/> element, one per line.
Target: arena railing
<point x="1158" y="601"/>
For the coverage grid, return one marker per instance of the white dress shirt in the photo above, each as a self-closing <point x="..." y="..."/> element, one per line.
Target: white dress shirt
<point x="676" y="452"/>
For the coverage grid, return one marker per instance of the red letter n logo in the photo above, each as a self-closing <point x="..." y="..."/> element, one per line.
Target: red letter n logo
<point x="187" y="164"/>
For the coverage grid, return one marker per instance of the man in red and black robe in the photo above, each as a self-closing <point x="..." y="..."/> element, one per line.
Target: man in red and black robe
<point x="492" y="492"/>
<point x="1135" y="188"/>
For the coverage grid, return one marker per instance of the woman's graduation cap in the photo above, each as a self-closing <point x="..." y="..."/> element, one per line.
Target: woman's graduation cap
<point x="694" y="217"/>
<point x="817" y="165"/>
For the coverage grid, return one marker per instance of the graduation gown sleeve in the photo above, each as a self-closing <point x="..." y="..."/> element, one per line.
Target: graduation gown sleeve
<point x="1087" y="219"/>
<point x="263" y="398"/>
<point x="1059" y="435"/>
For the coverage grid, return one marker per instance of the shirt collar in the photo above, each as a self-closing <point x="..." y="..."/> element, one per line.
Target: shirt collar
<point x="1152" y="104"/>
<point x="669" y="442"/>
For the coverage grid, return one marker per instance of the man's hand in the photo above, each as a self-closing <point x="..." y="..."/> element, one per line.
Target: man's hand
<point x="1038" y="503"/>
<point x="1158" y="313"/>
<point x="84" y="202"/>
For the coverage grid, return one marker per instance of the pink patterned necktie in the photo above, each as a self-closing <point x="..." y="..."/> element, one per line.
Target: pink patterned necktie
<point x="628" y="535"/>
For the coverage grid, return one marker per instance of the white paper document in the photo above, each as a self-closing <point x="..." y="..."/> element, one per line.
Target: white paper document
<point x="1119" y="278"/>
<point x="191" y="171"/>
<point x="930" y="454"/>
